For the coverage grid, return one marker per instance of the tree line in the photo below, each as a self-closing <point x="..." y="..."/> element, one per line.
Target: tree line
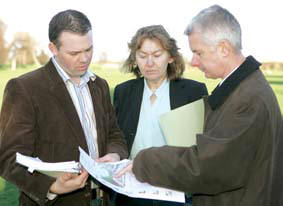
<point x="22" y="50"/>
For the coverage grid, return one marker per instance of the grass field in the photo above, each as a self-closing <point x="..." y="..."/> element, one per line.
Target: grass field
<point x="9" y="193"/>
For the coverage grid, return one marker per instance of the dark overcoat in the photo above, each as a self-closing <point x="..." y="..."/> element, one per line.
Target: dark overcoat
<point x="238" y="159"/>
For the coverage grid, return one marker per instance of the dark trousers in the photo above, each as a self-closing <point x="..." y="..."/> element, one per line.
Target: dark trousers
<point x="122" y="200"/>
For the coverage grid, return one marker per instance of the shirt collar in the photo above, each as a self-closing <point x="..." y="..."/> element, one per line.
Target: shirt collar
<point x="86" y="77"/>
<point x="158" y="91"/>
<point x="228" y="75"/>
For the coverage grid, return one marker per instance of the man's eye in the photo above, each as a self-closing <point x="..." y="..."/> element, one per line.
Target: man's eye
<point x="90" y="49"/>
<point x="73" y="54"/>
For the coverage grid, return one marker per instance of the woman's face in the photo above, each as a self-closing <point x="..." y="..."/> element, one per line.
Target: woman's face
<point x="152" y="60"/>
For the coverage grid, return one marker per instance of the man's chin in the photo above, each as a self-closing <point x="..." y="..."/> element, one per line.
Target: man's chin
<point x="208" y="76"/>
<point x="82" y="72"/>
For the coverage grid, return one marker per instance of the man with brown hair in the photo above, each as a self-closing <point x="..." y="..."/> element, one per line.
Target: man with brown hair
<point x="48" y="113"/>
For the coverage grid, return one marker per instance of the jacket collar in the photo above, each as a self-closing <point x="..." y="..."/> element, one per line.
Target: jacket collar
<point x="220" y="93"/>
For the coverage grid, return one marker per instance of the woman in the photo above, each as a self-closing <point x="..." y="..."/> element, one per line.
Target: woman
<point x="156" y="62"/>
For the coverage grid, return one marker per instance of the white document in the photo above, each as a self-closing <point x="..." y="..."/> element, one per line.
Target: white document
<point x="181" y="125"/>
<point x="127" y="184"/>
<point x="50" y="169"/>
<point x="104" y="173"/>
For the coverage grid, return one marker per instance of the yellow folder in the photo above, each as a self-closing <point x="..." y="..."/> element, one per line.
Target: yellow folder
<point x="181" y="125"/>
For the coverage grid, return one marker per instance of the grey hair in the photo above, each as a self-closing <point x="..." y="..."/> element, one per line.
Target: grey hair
<point x="216" y="24"/>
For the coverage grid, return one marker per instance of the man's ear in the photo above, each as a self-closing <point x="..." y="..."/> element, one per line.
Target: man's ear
<point x="224" y="48"/>
<point x="52" y="47"/>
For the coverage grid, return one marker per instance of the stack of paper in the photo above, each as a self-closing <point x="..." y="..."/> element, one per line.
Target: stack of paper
<point x="181" y="125"/>
<point x="51" y="169"/>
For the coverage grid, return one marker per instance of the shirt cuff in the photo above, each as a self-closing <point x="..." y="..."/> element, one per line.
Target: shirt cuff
<point x="51" y="196"/>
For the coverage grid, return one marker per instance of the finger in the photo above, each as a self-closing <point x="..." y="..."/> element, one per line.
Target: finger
<point x="73" y="175"/>
<point x="84" y="182"/>
<point x="103" y="159"/>
<point x="82" y="185"/>
<point x="83" y="170"/>
<point x="83" y="178"/>
<point x="122" y="172"/>
<point x="65" y="177"/>
<point x="114" y="157"/>
<point x="111" y="157"/>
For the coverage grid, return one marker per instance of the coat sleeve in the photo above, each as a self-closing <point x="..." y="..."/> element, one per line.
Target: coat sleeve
<point x="220" y="161"/>
<point x="18" y="133"/>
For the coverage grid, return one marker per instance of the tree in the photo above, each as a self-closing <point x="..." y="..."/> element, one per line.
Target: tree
<point x="103" y="57"/>
<point x="3" y="45"/>
<point x="23" y="49"/>
<point x="43" y="57"/>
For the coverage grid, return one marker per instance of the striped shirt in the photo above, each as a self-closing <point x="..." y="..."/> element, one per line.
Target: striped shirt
<point x="82" y="101"/>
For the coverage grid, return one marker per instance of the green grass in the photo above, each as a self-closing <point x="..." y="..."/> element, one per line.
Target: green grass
<point x="9" y="193"/>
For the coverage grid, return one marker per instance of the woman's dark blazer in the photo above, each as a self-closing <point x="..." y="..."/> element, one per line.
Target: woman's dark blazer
<point x="128" y="98"/>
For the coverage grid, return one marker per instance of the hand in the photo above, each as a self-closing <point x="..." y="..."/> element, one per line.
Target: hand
<point x="128" y="168"/>
<point x="111" y="157"/>
<point x="69" y="182"/>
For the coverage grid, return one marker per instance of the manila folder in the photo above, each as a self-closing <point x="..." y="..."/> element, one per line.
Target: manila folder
<point x="181" y="125"/>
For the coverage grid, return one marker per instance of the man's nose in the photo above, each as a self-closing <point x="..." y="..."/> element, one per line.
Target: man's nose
<point x="195" y="61"/>
<point x="84" y="57"/>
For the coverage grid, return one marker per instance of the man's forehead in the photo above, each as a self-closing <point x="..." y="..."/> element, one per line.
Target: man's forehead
<point x="75" y="42"/>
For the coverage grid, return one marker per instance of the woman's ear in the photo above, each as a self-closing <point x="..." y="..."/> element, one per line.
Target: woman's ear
<point x="171" y="60"/>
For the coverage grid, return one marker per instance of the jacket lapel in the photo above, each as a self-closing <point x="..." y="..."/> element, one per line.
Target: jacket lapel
<point x="177" y="98"/>
<point x="135" y="101"/>
<point x="97" y="104"/>
<point x="59" y="90"/>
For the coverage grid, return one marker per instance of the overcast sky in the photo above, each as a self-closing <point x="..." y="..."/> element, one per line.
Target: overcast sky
<point x="116" y="21"/>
